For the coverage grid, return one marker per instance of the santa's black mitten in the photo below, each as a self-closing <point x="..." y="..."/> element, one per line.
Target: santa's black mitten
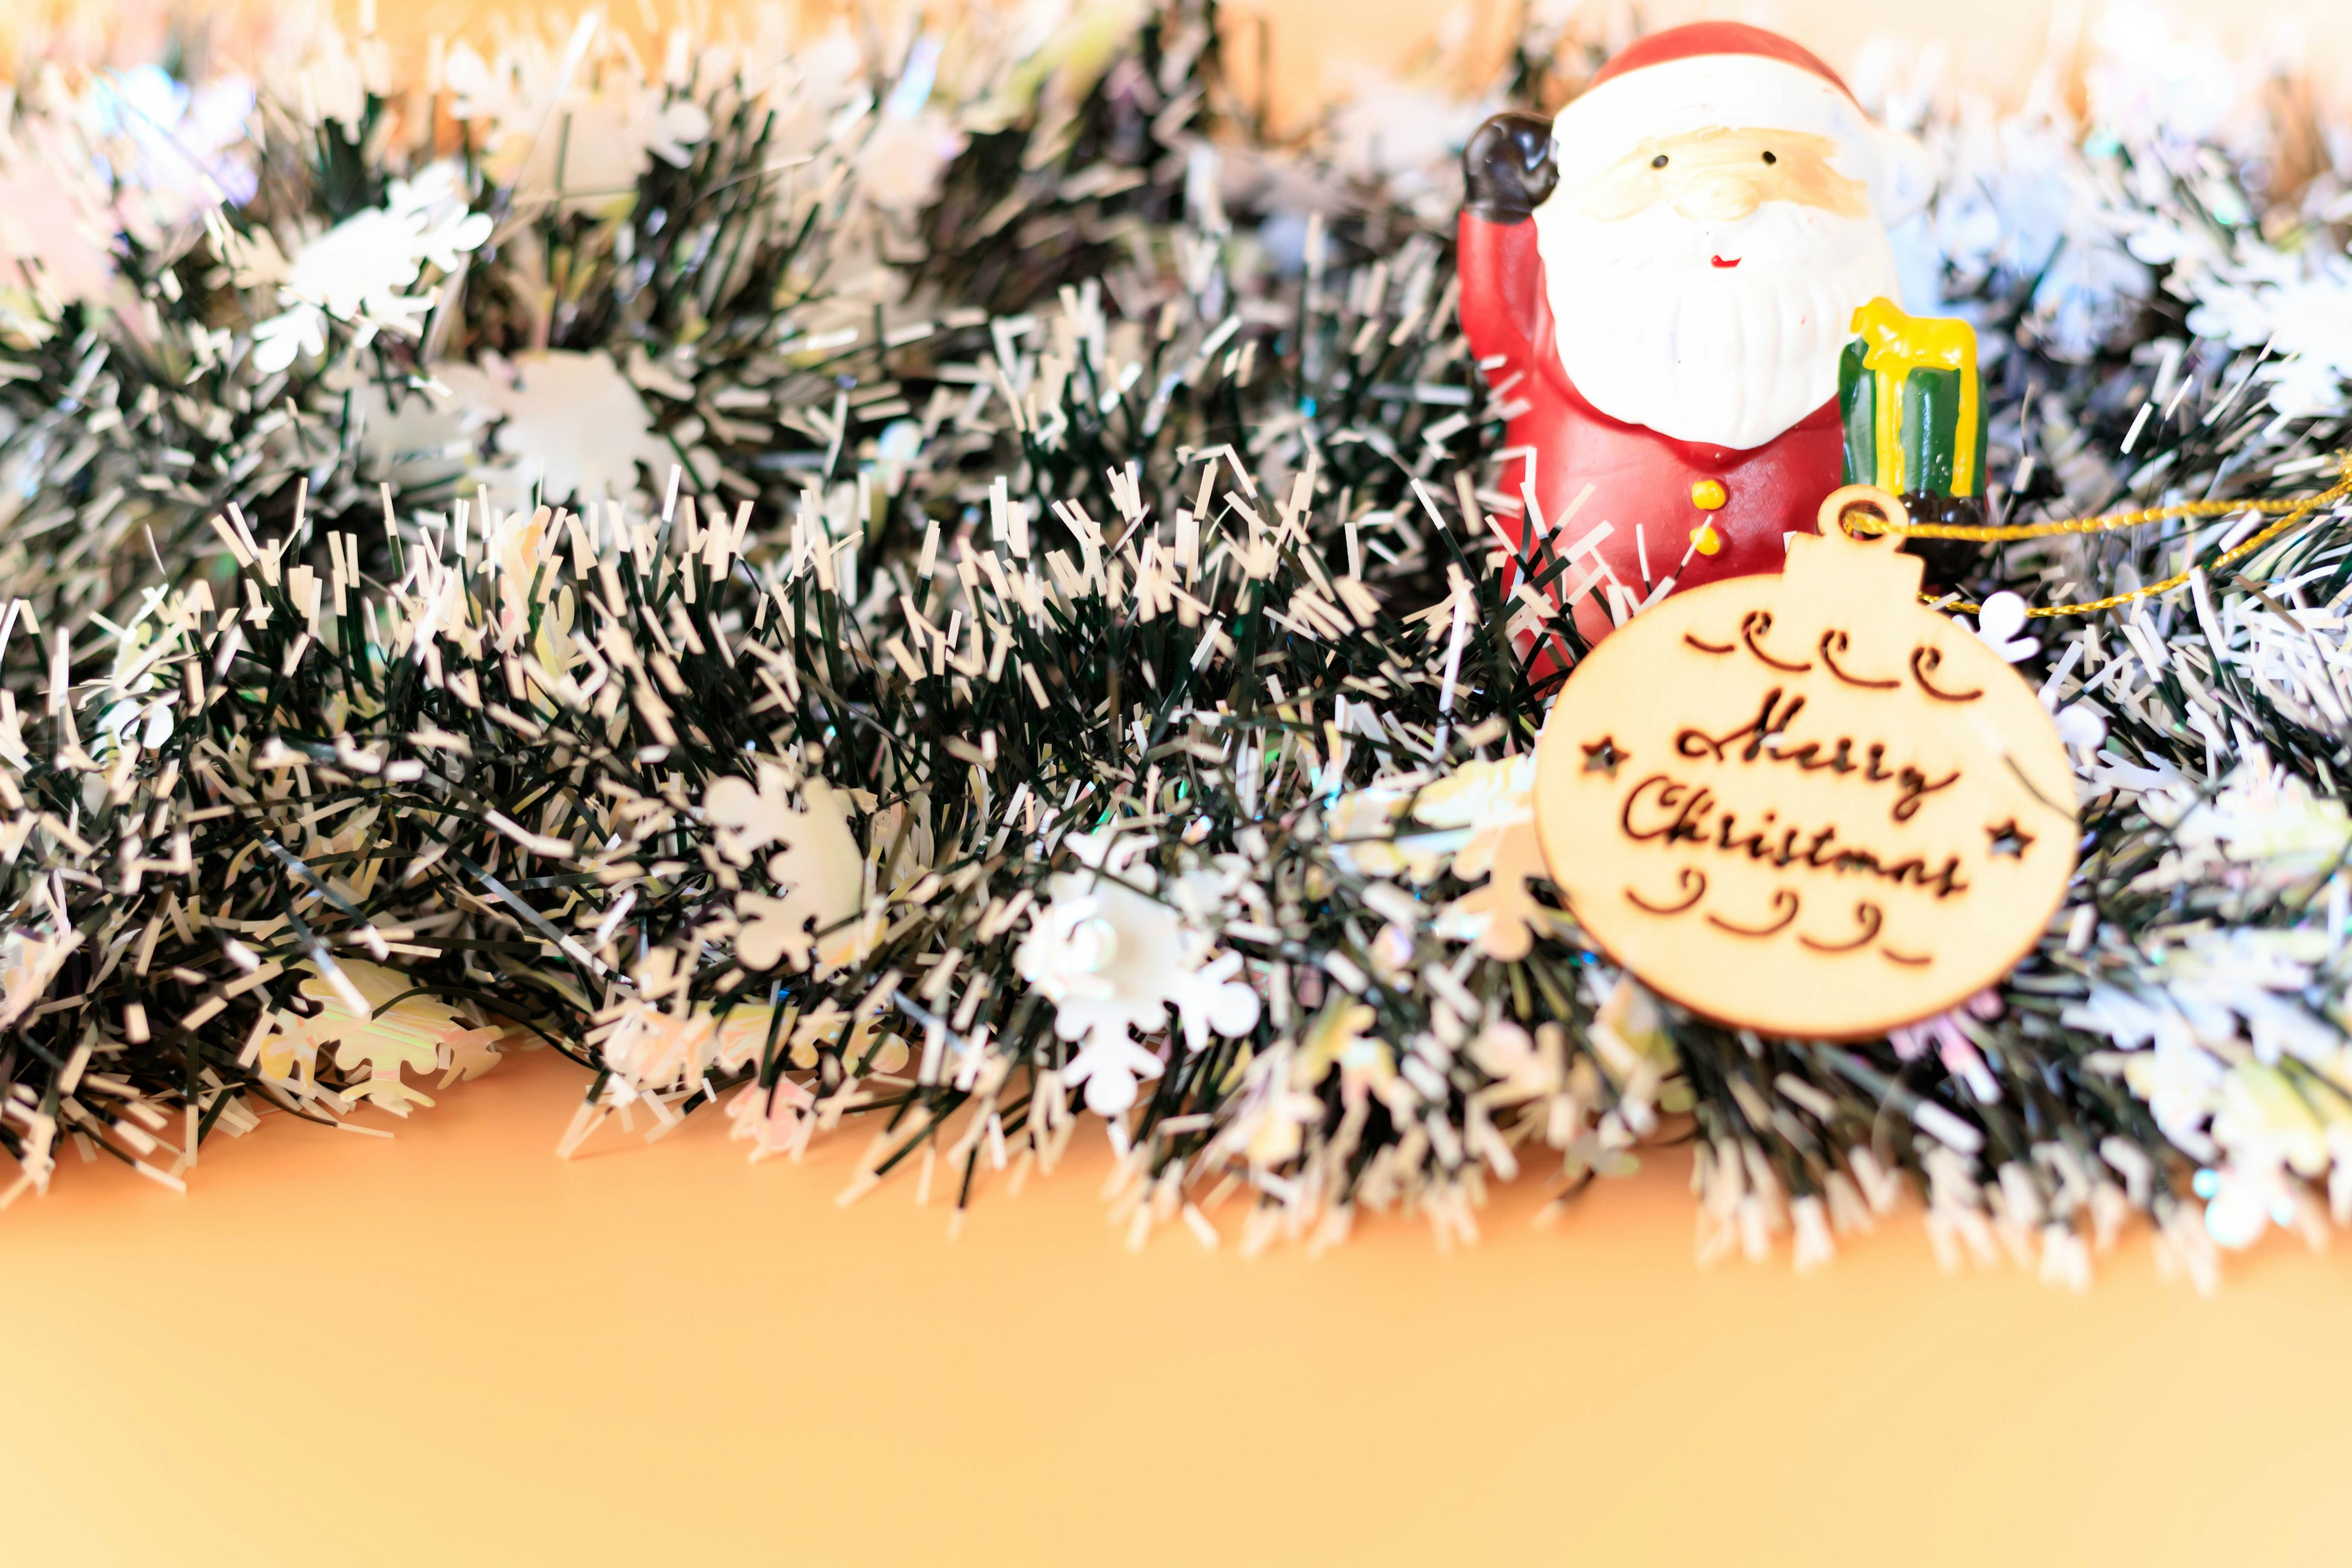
<point x="1509" y="167"/>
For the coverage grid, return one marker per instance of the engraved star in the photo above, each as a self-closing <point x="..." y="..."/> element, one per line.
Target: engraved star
<point x="1602" y="757"/>
<point x="2008" y="839"/>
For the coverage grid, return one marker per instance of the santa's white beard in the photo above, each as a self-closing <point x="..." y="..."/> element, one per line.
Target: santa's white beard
<point x="1652" y="332"/>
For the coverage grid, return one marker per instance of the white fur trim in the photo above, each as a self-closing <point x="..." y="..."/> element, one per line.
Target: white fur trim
<point x="1703" y="92"/>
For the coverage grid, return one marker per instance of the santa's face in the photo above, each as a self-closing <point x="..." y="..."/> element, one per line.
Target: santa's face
<point x="1704" y="285"/>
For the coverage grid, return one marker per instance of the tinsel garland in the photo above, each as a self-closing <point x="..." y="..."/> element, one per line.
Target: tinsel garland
<point x="1013" y="637"/>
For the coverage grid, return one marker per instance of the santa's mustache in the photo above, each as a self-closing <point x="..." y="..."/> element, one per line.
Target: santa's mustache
<point x="1657" y="327"/>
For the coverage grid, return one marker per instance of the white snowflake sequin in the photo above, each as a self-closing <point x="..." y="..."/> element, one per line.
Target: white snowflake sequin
<point x="900" y="165"/>
<point x="575" y="428"/>
<point x="817" y="863"/>
<point x="569" y="130"/>
<point x="391" y="1029"/>
<point x="365" y="269"/>
<point x="1113" y="960"/>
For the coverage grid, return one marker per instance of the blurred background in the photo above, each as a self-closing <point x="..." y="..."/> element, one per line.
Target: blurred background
<point x="1302" y="53"/>
<point x="1322" y="47"/>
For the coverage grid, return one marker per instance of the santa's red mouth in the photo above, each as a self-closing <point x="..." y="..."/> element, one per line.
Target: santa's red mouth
<point x="1719" y="261"/>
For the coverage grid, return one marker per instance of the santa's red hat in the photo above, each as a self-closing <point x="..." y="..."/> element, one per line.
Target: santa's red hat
<point x="1730" y="75"/>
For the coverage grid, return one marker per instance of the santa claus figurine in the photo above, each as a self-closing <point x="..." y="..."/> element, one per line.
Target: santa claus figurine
<point x="1661" y="286"/>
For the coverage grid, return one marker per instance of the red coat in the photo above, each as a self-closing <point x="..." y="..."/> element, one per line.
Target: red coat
<point x="1639" y="478"/>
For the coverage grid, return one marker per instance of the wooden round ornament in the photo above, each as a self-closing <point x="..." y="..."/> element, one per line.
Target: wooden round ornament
<point x="1805" y="803"/>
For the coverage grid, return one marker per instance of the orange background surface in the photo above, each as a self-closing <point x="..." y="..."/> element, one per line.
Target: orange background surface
<point x="451" y="1348"/>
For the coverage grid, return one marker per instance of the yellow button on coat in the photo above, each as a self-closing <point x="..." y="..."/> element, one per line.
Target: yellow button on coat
<point x="1708" y="495"/>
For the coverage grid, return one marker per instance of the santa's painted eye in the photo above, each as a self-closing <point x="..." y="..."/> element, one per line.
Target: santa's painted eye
<point x="1659" y="162"/>
<point x="1768" y="158"/>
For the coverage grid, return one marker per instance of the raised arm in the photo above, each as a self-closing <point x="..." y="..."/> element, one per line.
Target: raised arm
<point x="1508" y="170"/>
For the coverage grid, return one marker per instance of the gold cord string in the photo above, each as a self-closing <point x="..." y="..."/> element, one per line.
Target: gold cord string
<point x="2289" y="510"/>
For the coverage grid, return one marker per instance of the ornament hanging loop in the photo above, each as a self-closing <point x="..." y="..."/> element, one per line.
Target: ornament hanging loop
<point x="2292" y="512"/>
<point x="1893" y="519"/>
